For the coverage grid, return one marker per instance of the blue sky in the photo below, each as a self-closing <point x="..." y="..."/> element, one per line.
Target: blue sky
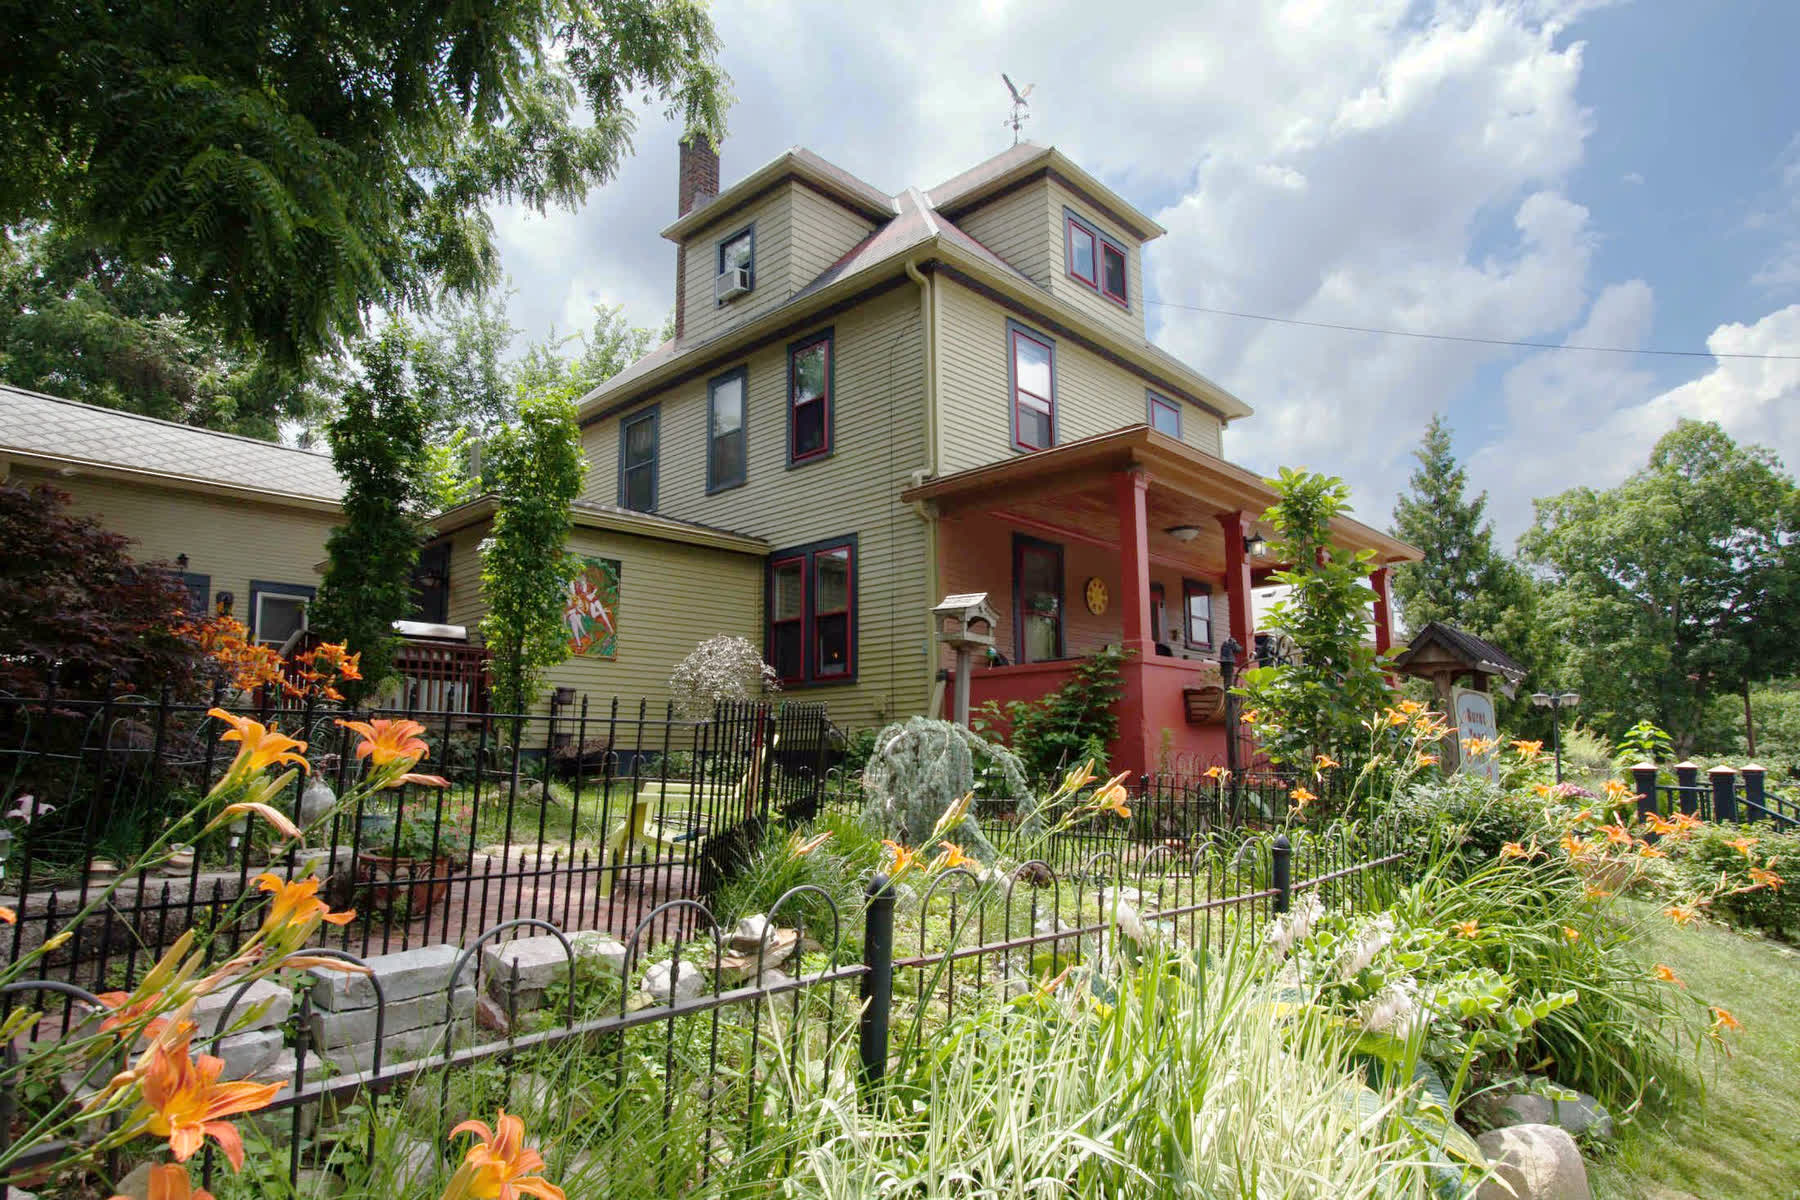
<point x="1550" y="170"/>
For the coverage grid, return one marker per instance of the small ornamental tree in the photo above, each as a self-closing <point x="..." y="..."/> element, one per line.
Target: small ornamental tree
<point x="920" y="767"/>
<point x="72" y="599"/>
<point x="720" y="669"/>
<point x="378" y="448"/>
<point x="536" y="467"/>
<point x="1317" y="704"/>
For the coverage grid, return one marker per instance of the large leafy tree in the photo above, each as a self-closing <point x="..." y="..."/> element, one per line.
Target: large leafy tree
<point x="535" y="466"/>
<point x="378" y="447"/>
<point x="294" y="166"/>
<point x="1678" y="585"/>
<point x="88" y="325"/>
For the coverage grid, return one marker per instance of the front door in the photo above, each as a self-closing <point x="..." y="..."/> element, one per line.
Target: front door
<point x="1037" y="599"/>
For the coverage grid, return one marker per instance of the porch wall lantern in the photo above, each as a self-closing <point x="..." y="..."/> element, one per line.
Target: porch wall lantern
<point x="1183" y="533"/>
<point x="222" y="603"/>
<point x="1255" y="545"/>
<point x="966" y="624"/>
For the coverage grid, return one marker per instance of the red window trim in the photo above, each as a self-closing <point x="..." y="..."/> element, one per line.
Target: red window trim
<point x="1120" y="298"/>
<point x="847" y="612"/>
<point x="1049" y="402"/>
<point x="825" y="398"/>
<point x="806" y="558"/>
<point x="1189" y="589"/>
<point x="1071" y="228"/>
<point x="775" y="566"/>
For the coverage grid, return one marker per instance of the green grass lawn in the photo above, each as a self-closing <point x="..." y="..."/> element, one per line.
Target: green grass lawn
<point x="1741" y="1139"/>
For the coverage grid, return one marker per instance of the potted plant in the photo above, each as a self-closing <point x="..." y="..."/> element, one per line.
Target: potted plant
<point x="412" y="853"/>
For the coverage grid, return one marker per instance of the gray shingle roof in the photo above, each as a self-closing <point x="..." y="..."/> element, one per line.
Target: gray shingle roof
<point x="33" y="423"/>
<point x="1481" y="654"/>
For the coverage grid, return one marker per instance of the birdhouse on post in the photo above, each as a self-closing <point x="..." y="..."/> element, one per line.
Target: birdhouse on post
<point x="965" y="624"/>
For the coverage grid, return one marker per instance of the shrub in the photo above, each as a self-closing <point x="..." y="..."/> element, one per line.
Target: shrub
<point x="720" y="669"/>
<point x="1074" y="724"/>
<point x="1709" y="861"/>
<point x="921" y="767"/>
<point x="1463" y="816"/>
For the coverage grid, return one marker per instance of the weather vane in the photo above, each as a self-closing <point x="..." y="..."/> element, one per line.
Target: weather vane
<point x="1019" y="115"/>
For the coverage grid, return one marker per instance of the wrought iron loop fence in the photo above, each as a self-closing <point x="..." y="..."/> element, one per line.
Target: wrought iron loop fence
<point x="589" y="816"/>
<point x="660" y="1074"/>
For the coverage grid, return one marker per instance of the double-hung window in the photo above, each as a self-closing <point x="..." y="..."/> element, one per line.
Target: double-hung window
<point x="737" y="253"/>
<point x="1196" y="614"/>
<point x="725" y="430"/>
<point x="1165" y="415"/>
<point x="1032" y="371"/>
<point x="809" y="398"/>
<point x="812" y="612"/>
<point x="1095" y="260"/>
<point x="637" y="461"/>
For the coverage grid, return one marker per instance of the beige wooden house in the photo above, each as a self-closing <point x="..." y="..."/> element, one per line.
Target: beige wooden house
<point x="908" y="395"/>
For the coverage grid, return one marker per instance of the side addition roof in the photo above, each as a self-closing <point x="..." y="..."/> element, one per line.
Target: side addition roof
<point x="49" y="431"/>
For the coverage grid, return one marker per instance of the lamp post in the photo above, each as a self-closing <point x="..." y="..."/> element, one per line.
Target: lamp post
<point x="1556" y="702"/>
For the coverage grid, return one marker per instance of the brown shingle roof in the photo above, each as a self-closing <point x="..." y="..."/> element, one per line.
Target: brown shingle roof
<point x="34" y="424"/>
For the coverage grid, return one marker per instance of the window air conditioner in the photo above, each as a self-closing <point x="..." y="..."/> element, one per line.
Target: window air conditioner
<point x="731" y="283"/>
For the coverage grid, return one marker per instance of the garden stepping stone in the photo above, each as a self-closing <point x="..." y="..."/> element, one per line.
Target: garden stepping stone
<point x="1534" y="1162"/>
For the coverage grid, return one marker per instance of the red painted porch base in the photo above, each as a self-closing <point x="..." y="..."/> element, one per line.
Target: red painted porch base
<point x="1139" y="747"/>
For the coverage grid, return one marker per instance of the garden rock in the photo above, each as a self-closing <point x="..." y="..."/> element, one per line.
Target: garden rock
<point x="322" y="1185"/>
<point x="1582" y="1115"/>
<point x="541" y="961"/>
<point x="403" y="976"/>
<point x="415" y="1161"/>
<point x="1534" y="1162"/>
<point x="664" y="983"/>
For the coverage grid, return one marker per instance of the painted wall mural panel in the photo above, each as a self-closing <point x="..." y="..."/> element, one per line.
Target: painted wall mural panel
<point x="592" y="609"/>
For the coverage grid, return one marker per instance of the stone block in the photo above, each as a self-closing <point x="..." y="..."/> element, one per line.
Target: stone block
<point x="247" y="1053"/>
<point x="1533" y="1162"/>
<point x="276" y="1001"/>
<point x="331" y="1030"/>
<point x="403" y="976"/>
<point x="541" y="961"/>
<point x="665" y="984"/>
<point x="400" y="1047"/>
<point x="281" y="1067"/>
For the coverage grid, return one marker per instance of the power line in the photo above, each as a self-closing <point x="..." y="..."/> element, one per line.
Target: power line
<point x="1451" y="337"/>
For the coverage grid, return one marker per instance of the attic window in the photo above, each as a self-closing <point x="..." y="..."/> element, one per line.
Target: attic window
<point x="737" y="266"/>
<point x="1096" y="261"/>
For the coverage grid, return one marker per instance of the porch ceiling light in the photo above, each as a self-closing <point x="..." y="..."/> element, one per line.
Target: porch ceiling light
<point x="1255" y="545"/>
<point x="1183" y="533"/>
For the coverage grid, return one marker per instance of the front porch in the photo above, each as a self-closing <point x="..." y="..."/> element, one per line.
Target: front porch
<point x="1131" y="540"/>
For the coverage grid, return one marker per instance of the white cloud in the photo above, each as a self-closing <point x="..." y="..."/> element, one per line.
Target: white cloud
<point x="1782" y="218"/>
<point x="1632" y="177"/>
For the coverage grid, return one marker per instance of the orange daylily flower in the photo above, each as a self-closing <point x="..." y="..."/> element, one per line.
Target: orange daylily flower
<point x="800" y="848"/>
<point x="433" y="781"/>
<point x="388" y="741"/>
<point x="498" y="1166"/>
<point x="1571" y="935"/>
<point x="1724" y="1020"/>
<point x="1395" y="717"/>
<point x="1591" y="892"/>
<point x="953" y="856"/>
<point x="1576" y="848"/>
<point x="1615" y="790"/>
<point x="126" y="1011"/>
<point x="1466" y="929"/>
<point x="903" y="858"/>
<point x="1617" y="834"/>
<point x="274" y="816"/>
<point x="185" y="1102"/>
<point x="1660" y="825"/>
<point x="1323" y="761"/>
<point x="1218" y="773"/>
<point x="1742" y="845"/>
<point x="259" y="747"/>
<point x="1686" y="822"/>
<point x="1428" y="760"/>
<point x="1301" y="796"/>
<point x="1411" y="707"/>
<point x="8" y="916"/>
<point x="1646" y="850"/>
<point x="1111" y="799"/>
<point x="169" y="1181"/>
<point x="1542" y="790"/>
<point x="1527" y="750"/>
<point x="1682" y="914"/>
<point x="1667" y="975"/>
<point x="1764" y="877"/>
<point x="295" y="911"/>
<point x="1478" y="747"/>
<point x="1514" y="850"/>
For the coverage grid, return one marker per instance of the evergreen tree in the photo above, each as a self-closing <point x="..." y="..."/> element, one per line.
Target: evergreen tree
<point x="378" y="448"/>
<point x="1462" y="579"/>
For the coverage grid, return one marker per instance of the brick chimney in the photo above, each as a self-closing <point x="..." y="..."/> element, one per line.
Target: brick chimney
<point x="698" y="182"/>
<point x="699" y="173"/>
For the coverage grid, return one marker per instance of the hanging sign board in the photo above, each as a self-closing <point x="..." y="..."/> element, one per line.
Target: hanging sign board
<point x="1474" y="718"/>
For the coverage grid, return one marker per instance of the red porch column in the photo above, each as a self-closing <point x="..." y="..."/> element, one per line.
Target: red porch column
<point x="1236" y="526"/>
<point x="1136" y="749"/>
<point x="1384" y="620"/>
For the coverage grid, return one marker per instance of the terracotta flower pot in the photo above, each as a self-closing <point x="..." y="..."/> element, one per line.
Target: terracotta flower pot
<point x="387" y="877"/>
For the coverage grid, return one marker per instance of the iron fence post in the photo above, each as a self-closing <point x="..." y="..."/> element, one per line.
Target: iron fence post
<point x="1724" y="792"/>
<point x="1281" y="871"/>
<point x="1644" y="777"/>
<point x="877" y="981"/>
<point x="1228" y="656"/>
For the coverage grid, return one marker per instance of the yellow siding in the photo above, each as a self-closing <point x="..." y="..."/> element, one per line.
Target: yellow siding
<point x="822" y="233"/>
<point x="1092" y="395"/>
<point x="1017" y="228"/>
<point x="877" y="443"/>
<point x="672" y="596"/>
<point x="229" y="539"/>
<point x="1071" y="290"/>
<point x="771" y="216"/>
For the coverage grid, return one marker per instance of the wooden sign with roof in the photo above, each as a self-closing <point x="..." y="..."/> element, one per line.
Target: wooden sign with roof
<point x="1443" y="654"/>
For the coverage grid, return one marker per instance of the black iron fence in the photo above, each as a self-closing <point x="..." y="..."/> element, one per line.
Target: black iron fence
<point x="589" y="817"/>
<point x="655" y="1076"/>
<point x="1728" y="794"/>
